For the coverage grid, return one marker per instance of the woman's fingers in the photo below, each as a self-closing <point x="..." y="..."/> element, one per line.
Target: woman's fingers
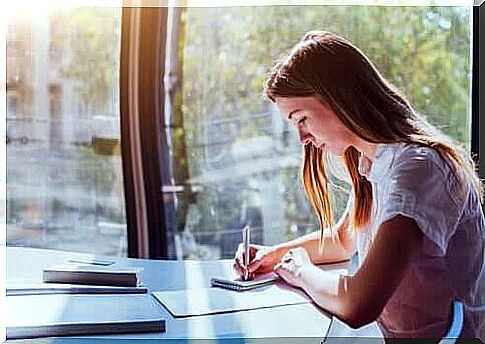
<point x="238" y="269"/>
<point x="240" y="255"/>
<point x="257" y="261"/>
<point x="238" y="261"/>
<point x="281" y="269"/>
<point x="239" y="264"/>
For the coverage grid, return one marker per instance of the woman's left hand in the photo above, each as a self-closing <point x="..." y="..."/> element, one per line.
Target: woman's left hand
<point x="292" y="264"/>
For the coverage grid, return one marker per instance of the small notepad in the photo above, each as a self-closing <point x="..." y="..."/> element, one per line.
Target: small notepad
<point x="239" y="284"/>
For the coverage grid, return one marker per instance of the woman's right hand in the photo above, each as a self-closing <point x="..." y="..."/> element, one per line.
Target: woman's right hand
<point x="262" y="259"/>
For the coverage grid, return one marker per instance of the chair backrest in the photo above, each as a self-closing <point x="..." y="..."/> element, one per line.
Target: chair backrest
<point x="456" y="324"/>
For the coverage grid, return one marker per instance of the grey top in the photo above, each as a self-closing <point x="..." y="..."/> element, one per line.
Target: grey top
<point x="416" y="182"/>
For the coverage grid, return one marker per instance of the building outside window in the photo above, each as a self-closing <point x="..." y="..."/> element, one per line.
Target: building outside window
<point x="62" y="72"/>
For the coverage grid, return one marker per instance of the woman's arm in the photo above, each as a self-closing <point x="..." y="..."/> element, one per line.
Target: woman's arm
<point x="359" y="299"/>
<point x="340" y="247"/>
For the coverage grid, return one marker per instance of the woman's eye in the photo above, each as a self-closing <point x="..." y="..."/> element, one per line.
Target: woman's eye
<point x="301" y="120"/>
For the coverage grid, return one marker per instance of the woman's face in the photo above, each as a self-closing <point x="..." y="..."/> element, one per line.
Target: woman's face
<point x="316" y="123"/>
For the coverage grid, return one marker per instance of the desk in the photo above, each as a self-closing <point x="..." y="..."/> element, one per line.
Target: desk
<point x="302" y="320"/>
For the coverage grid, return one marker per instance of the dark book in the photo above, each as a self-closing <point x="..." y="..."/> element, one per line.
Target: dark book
<point x="86" y="328"/>
<point x="91" y="275"/>
<point x="14" y="289"/>
<point x="33" y="316"/>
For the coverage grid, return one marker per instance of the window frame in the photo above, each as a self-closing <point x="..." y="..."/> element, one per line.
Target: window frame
<point x="477" y="104"/>
<point x="144" y="144"/>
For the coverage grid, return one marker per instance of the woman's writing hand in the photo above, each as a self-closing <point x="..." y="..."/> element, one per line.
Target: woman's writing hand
<point x="292" y="265"/>
<point x="262" y="259"/>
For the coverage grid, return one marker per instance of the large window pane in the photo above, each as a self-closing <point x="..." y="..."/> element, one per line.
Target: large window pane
<point x="242" y="159"/>
<point x="64" y="175"/>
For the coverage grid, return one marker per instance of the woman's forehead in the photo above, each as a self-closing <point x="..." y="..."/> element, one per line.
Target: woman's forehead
<point x="304" y="103"/>
<point x="289" y="102"/>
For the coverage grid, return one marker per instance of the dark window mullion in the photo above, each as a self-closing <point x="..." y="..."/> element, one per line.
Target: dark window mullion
<point x="147" y="27"/>
<point x="475" y="87"/>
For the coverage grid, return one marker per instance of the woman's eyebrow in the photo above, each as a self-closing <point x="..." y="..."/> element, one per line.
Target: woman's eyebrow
<point x="292" y="112"/>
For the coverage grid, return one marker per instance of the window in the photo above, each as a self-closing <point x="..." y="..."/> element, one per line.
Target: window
<point x="231" y="160"/>
<point x="64" y="188"/>
<point x="237" y="156"/>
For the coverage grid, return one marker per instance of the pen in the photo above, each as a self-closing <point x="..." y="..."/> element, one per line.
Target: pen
<point x="100" y="262"/>
<point x="246" y="240"/>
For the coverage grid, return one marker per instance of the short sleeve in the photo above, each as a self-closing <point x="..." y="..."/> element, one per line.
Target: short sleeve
<point x="420" y="189"/>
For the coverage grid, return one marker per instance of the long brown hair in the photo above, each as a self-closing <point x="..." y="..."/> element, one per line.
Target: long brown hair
<point x="330" y="68"/>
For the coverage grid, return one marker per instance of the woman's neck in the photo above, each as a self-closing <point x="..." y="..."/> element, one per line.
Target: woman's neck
<point x="366" y="148"/>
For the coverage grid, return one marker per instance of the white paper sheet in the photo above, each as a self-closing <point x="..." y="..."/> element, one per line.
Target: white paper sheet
<point x="192" y="302"/>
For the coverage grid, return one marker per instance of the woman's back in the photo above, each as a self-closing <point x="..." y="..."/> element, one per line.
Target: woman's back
<point x="415" y="181"/>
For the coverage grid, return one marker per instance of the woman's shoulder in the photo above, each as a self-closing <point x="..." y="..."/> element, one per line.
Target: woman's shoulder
<point x="424" y="168"/>
<point x="410" y="151"/>
<point x="415" y="157"/>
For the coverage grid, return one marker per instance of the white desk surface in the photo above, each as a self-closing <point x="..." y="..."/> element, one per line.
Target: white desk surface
<point x="301" y="321"/>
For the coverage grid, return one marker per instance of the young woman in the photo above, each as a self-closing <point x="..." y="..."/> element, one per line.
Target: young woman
<point x="414" y="216"/>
